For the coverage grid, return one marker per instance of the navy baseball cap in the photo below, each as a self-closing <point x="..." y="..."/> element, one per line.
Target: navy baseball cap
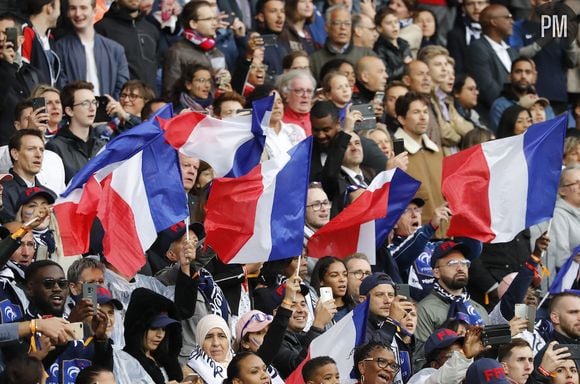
<point x="30" y="193"/>
<point x="419" y="202"/>
<point x="486" y="371"/>
<point x="373" y="280"/>
<point x="104" y="297"/>
<point x="446" y="247"/>
<point x="441" y="339"/>
<point x="162" y="320"/>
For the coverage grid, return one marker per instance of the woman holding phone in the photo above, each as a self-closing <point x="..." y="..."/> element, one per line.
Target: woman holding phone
<point x="330" y="272"/>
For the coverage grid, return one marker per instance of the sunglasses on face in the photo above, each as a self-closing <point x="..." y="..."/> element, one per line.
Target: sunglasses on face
<point x="49" y="283"/>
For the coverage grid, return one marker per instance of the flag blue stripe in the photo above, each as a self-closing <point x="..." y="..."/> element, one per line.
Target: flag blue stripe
<point x="163" y="184"/>
<point x="360" y="315"/>
<point x="248" y="155"/>
<point x="402" y="190"/>
<point x="543" y="150"/>
<point x="287" y="221"/>
<point x="557" y="284"/>
<point x="121" y="148"/>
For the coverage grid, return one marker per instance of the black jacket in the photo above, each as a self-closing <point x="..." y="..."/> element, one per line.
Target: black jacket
<point x="17" y="84"/>
<point x="73" y="151"/>
<point x="13" y="189"/>
<point x="392" y="56"/>
<point x="293" y="350"/>
<point x="139" y="38"/>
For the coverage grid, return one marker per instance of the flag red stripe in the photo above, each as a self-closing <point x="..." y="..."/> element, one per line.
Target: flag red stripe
<point x="231" y="208"/>
<point x="121" y="244"/>
<point x="179" y="128"/>
<point x="465" y="185"/>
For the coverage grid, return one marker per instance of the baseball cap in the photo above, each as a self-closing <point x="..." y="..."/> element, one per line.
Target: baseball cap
<point x="486" y="371"/>
<point x="252" y="321"/>
<point x="441" y="339"/>
<point x="371" y="281"/>
<point x="104" y="297"/>
<point x="446" y="247"/>
<point x="162" y="320"/>
<point x="176" y="232"/>
<point x="530" y="99"/>
<point x="32" y="192"/>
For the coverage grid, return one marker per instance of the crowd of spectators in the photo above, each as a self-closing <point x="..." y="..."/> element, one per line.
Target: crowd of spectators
<point x="378" y="84"/>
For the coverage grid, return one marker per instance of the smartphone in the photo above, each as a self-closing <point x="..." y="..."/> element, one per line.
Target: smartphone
<point x="12" y="37"/>
<point x="398" y="146"/>
<point x="326" y="294"/>
<point x="404" y="290"/>
<point x="101" y="114"/>
<point x="367" y="110"/>
<point x="574" y="350"/>
<point x="230" y="19"/>
<point x="77" y="330"/>
<point x="531" y="318"/>
<point x="380" y="96"/>
<point x="521" y="311"/>
<point x="38" y="102"/>
<point x="270" y="40"/>
<point x="90" y="292"/>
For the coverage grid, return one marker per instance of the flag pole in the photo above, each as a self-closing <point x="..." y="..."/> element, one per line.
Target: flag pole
<point x="186" y="228"/>
<point x="298" y="267"/>
<point x="543" y="254"/>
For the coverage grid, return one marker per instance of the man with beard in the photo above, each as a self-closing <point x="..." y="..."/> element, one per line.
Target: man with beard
<point x="448" y="299"/>
<point x="522" y="79"/>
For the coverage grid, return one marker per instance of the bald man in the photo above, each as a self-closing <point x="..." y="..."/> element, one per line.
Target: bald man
<point x="371" y="77"/>
<point x="490" y="58"/>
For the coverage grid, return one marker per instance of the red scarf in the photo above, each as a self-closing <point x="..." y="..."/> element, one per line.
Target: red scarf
<point x="204" y="43"/>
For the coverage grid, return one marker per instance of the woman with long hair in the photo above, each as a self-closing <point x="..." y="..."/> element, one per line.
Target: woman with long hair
<point x="331" y="272"/>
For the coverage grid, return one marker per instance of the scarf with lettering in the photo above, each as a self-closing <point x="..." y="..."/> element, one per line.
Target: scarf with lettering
<point x="213" y="294"/>
<point x="202" y="42"/>
<point x="459" y="306"/>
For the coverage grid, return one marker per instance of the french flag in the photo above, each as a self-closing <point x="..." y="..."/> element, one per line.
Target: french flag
<point x="364" y="225"/>
<point x="231" y="146"/>
<point x="339" y="342"/>
<point x="134" y="187"/>
<point x="497" y="189"/>
<point x="260" y="216"/>
<point x="567" y="275"/>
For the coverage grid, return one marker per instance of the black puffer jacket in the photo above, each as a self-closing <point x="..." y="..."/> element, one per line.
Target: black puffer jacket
<point x="144" y="306"/>
<point x="139" y="38"/>
<point x="393" y="57"/>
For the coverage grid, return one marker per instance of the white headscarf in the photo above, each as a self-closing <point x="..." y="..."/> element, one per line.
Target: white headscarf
<point x="206" y="324"/>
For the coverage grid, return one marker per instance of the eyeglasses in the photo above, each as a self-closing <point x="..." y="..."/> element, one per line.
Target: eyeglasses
<point x="88" y="103"/>
<point x="456" y="263"/>
<point x="49" y="283"/>
<point x="202" y="80"/>
<point x="208" y="19"/>
<point x="302" y="92"/>
<point x="262" y="67"/>
<point x="416" y="210"/>
<point x="574" y="183"/>
<point x="258" y="317"/>
<point x="384" y="363"/>
<point x="319" y="204"/>
<point x="360" y="274"/>
<point x="340" y="23"/>
<point x="131" y="96"/>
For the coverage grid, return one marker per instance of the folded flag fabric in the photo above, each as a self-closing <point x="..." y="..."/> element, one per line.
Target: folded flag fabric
<point x="260" y="216"/>
<point x="134" y="187"/>
<point x="364" y="225"/>
<point x="339" y="342"/>
<point x="567" y="277"/>
<point x="231" y="146"/>
<point x="497" y="189"/>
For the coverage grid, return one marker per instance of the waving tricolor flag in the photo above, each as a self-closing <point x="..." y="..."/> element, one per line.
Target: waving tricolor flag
<point x="567" y="277"/>
<point x="260" y="216"/>
<point x="134" y="187"/>
<point x="339" y="342"/>
<point x="231" y="146"/>
<point x="365" y="224"/>
<point x="497" y="189"/>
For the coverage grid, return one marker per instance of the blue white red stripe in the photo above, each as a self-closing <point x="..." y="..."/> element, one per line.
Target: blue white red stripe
<point x="497" y="189"/>
<point x="134" y="187"/>
<point x="231" y="146"/>
<point x="260" y="216"/>
<point x="339" y="342"/>
<point x="364" y="225"/>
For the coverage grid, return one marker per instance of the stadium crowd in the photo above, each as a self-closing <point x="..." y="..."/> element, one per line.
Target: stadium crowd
<point x="378" y="84"/>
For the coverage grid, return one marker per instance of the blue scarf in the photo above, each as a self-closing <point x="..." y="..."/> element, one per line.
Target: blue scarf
<point x="460" y="307"/>
<point x="213" y="295"/>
